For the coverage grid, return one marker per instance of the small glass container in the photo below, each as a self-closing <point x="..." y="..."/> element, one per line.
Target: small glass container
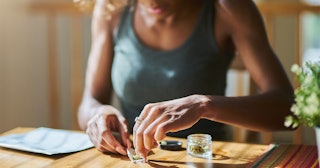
<point x="199" y="145"/>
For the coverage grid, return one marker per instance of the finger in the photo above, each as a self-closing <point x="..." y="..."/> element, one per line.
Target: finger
<point x="147" y="116"/>
<point x="104" y="147"/>
<point x="92" y="132"/>
<point x="141" y="117"/>
<point x="92" y="138"/>
<point x="109" y="141"/>
<point x="139" y="146"/>
<point x="142" y="139"/>
<point x="96" y="139"/>
<point x="124" y="134"/>
<point x="161" y="131"/>
<point x="172" y="125"/>
<point x="129" y="143"/>
<point x="139" y="136"/>
<point x="146" y="109"/>
<point x="138" y="142"/>
<point x="155" y="145"/>
<point x="112" y="142"/>
<point x="148" y="135"/>
<point x="123" y="123"/>
<point x="135" y="128"/>
<point x="148" y="139"/>
<point x="134" y="135"/>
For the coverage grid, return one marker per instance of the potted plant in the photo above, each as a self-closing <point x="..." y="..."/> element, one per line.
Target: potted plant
<point x="306" y="109"/>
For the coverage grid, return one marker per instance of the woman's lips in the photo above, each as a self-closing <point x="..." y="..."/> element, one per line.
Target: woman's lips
<point x="155" y="10"/>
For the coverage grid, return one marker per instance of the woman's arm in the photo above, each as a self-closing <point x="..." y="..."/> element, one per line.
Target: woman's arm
<point x="95" y="115"/>
<point x="266" y="110"/>
<point x="98" y="86"/>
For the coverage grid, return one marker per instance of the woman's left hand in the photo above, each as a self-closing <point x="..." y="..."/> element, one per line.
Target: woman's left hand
<point x="157" y="119"/>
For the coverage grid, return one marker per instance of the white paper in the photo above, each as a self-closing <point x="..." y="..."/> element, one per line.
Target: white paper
<point x="47" y="141"/>
<point x="130" y="153"/>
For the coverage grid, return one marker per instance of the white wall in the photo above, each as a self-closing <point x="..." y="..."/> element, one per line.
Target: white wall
<point x="23" y="57"/>
<point x="23" y="65"/>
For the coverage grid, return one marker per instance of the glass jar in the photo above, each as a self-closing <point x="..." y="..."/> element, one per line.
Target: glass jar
<point x="199" y="145"/>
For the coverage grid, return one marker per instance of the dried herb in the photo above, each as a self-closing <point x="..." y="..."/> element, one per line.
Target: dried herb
<point x="136" y="157"/>
<point x="198" y="149"/>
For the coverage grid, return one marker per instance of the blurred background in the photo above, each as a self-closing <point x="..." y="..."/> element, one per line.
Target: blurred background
<point x="44" y="45"/>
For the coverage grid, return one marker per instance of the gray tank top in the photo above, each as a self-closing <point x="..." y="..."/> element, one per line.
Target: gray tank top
<point x="142" y="75"/>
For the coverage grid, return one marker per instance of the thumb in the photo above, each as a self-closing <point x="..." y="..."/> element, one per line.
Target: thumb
<point x="124" y="134"/>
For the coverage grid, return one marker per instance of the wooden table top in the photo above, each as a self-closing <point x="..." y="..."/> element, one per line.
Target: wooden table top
<point x="225" y="154"/>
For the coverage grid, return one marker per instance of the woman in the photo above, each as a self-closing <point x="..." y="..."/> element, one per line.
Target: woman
<point x="167" y="61"/>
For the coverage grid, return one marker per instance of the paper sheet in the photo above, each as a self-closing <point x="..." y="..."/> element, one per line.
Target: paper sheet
<point x="47" y="141"/>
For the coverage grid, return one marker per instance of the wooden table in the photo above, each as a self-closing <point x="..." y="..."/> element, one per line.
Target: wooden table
<point x="225" y="154"/>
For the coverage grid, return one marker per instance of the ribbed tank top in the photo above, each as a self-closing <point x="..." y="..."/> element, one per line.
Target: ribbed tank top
<point x="142" y="75"/>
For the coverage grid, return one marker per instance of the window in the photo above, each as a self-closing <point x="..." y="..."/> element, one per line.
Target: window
<point x="311" y="36"/>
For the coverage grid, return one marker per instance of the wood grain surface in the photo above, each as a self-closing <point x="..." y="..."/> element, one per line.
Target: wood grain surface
<point x="225" y="154"/>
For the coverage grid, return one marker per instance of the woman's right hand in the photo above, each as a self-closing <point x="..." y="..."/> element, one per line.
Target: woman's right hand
<point x="101" y="127"/>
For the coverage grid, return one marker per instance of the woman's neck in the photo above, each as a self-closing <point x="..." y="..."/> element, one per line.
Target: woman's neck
<point x="182" y="10"/>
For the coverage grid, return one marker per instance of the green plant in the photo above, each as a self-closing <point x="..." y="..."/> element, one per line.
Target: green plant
<point x="306" y="109"/>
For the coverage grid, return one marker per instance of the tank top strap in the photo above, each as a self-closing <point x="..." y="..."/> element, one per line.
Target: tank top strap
<point x="206" y="23"/>
<point x="123" y="24"/>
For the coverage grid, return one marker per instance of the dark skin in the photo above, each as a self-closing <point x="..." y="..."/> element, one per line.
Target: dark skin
<point x="165" y="25"/>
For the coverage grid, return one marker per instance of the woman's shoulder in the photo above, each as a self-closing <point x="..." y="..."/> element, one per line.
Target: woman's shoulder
<point x="107" y="21"/>
<point x="236" y="7"/>
<point x="236" y="11"/>
<point x="115" y="17"/>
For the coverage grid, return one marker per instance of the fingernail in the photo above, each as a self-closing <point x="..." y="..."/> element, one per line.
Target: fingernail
<point x="129" y="144"/>
<point x="121" y="150"/>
